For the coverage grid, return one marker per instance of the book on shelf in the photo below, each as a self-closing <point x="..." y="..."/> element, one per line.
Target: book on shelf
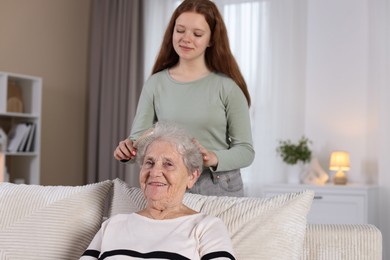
<point x="16" y="135"/>
<point x="30" y="141"/>
<point x="19" y="137"/>
<point x="23" y="141"/>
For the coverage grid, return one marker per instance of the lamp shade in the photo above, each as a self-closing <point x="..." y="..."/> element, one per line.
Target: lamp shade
<point x="339" y="160"/>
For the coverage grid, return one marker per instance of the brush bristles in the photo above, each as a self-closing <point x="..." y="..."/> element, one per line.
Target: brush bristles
<point x="148" y="133"/>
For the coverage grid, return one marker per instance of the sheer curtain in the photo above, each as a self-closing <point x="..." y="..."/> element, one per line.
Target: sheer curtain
<point x="156" y="17"/>
<point x="267" y="38"/>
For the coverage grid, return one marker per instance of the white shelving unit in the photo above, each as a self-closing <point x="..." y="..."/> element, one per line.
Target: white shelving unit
<point x="21" y="165"/>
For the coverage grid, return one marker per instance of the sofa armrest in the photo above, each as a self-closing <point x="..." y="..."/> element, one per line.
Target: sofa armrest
<point x="326" y="241"/>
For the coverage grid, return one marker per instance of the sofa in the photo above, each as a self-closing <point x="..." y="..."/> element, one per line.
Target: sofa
<point x="58" y="222"/>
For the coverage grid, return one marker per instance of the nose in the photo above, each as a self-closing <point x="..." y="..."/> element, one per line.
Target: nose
<point x="186" y="37"/>
<point x="156" y="170"/>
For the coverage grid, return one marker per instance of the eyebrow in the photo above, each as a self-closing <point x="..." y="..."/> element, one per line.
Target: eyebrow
<point x="196" y="29"/>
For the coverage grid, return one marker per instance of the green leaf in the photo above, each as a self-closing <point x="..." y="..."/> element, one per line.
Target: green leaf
<point x="292" y="153"/>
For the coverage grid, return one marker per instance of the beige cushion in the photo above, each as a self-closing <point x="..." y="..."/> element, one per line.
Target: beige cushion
<point x="49" y="222"/>
<point x="272" y="228"/>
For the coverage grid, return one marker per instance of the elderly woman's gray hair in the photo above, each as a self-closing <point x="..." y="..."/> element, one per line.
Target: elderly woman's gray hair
<point x="177" y="136"/>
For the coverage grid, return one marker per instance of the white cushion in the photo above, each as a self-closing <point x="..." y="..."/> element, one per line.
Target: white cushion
<point x="49" y="222"/>
<point x="260" y="228"/>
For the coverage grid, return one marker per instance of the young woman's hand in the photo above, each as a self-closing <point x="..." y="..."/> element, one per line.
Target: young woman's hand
<point x="209" y="157"/>
<point x="125" y="150"/>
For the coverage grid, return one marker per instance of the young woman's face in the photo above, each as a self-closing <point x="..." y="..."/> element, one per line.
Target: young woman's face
<point x="191" y="36"/>
<point x="164" y="176"/>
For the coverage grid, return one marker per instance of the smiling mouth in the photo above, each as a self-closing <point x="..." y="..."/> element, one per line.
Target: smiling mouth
<point x="159" y="184"/>
<point x="185" y="48"/>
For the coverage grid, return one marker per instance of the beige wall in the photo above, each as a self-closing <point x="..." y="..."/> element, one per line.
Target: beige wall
<point x="49" y="39"/>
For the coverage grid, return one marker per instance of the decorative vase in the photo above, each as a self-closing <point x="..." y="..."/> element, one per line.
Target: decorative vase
<point x="14" y="99"/>
<point x="294" y="173"/>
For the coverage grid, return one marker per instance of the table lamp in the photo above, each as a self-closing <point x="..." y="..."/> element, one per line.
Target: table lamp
<point x="339" y="161"/>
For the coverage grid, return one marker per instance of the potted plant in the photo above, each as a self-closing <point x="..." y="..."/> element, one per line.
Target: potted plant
<point x="295" y="154"/>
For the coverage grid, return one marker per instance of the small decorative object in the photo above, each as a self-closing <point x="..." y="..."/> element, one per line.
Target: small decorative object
<point x="19" y="181"/>
<point x="315" y="174"/>
<point x="339" y="161"/>
<point x="3" y="140"/>
<point x="14" y="98"/>
<point x="6" y="175"/>
<point x="296" y="156"/>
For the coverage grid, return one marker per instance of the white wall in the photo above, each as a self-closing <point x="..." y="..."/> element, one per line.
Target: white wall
<point x="380" y="80"/>
<point x="348" y="90"/>
<point x="49" y="39"/>
<point x="336" y="100"/>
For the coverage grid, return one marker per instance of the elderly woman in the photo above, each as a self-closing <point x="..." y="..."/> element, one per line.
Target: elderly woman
<point x="166" y="229"/>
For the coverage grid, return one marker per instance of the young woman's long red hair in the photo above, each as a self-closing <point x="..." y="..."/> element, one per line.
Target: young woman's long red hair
<point x="219" y="57"/>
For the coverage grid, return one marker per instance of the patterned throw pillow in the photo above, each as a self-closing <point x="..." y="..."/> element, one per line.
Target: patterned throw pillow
<point x="49" y="222"/>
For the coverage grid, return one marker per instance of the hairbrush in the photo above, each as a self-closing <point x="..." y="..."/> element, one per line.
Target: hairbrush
<point x="142" y="138"/>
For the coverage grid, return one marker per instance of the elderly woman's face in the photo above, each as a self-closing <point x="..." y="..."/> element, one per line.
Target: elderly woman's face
<point x="163" y="176"/>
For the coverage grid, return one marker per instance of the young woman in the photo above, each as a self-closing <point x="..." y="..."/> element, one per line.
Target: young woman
<point x="196" y="82"/>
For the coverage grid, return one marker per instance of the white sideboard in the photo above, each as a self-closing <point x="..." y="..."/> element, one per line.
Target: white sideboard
<point x="336" y="204"/>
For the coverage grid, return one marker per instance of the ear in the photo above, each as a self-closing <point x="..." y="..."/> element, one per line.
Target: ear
<point x="192" y="178"/>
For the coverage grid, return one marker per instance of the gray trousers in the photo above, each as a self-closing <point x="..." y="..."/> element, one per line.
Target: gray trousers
<point x="226" y="183"/>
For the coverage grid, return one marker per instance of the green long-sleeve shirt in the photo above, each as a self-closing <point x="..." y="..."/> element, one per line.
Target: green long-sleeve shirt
<point x="213" y="109"/>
